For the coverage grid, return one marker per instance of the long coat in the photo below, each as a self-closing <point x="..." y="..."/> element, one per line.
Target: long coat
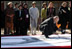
<point x="48" y="26"/>
<point x="9" y="12"/>
<point x="34" y="15"/>
<point x="27" y="18"/>
<point x="63" y="16"/>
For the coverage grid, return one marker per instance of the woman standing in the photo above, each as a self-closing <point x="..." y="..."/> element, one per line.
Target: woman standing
<point x="9" y="18"/>
<point x="51" y="10"/>
<point x="43" y="12"/>
<point x="34" y="15"/>
<point x="63" y="15"/>
<point x="27" y="18"/>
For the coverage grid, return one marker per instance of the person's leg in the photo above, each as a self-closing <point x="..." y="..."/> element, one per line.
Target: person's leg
<point x="9" y="31"/>
<point x="31" y="30"/>
<point x="46" y="35"/>
<point x="14" y="27"/>
<point x="5" y="31"/>
<point x="12" y="30"/>
<point x="35" y="26"/>
<point x="34" y="31"/>
<point x="45" y="32"/>
<point x="17" y="28"/>
<point x="63" y="27"/>
<point x="69" y="25"/>
<point x="32" y="26"/>
<point x="23" y="31"/>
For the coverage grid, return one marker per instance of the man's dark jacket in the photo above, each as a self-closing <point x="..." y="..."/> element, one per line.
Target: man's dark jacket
<point x="48" y="26"/>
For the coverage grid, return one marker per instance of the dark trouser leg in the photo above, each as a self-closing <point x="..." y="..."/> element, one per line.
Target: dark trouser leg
<point x="45" y="33"/>
<point x="17" y="30"/>
<point x="69" y="25"/>
<point x="5" y="31"/>
<point x="14" y="28"/>
<point x="23" y="31"/>
<point x="63" y="27"/>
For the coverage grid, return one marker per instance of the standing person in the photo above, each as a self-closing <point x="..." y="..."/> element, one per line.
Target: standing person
<point x="69" y="9"/>
<point x="14" y="20"/>
<point x="27" y="18"/>
<point x="9" y="12"/>
<point x="43" y="12"/>
<point x="34" y="15"/>
<point x="48" y="26"/>
<point x="51" y="10"/>
<point x="63" y="15"/>
<point x="19" y="21"/>
<point x="16" y="7"/>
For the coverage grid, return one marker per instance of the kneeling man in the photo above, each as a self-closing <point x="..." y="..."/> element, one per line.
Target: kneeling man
<point x="48" y="26"/>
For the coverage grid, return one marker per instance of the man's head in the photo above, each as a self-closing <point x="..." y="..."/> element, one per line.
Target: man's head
<point x="33" y="4"/>
<point x="50" y="5"/>
<point x="64" y="4"/>
<point x="56" y="19"/>
<point x="44" y="5"/>
<point x="20" y="7"/>
<point x="25" y="5"/>
<point x="10" y="4"/>
<point x="16" y="5"/>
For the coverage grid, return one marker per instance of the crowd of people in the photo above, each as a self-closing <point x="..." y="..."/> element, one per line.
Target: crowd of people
<point x="19" y="19"/>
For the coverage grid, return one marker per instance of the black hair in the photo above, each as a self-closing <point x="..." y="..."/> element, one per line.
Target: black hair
<point x="25" y="4"/>
<point x="19" y="6"/>
<point x="16" y="4"/>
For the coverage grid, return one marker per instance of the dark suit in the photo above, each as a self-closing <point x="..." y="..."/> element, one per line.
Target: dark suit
<point x="19" y="23"/>
<point x="14" y="19"/>
<point x="48" y="26"/>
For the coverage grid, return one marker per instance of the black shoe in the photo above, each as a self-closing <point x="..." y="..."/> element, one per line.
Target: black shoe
<point x="47" y="37"/>
<point x="63" y="32"/>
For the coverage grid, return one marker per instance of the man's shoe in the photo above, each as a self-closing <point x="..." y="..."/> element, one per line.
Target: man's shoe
<point x="47" y="37"/>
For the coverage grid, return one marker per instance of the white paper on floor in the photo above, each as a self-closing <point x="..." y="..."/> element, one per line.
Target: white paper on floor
<point x="36" y="41"/>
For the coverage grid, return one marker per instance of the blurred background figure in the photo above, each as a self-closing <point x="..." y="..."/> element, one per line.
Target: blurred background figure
<point x="27" y="18"/>
<point x="14" y="20"/>
<point x="34" y="15"/>
<point x="19" y="21"/>
<point x="44" y="12"/>
<point x="9" y="12"/>
<point x="69" y="8"/>
<point x="51" y="10"/>
<point x="63" y="15"/>
<point x="16" y="7"/>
